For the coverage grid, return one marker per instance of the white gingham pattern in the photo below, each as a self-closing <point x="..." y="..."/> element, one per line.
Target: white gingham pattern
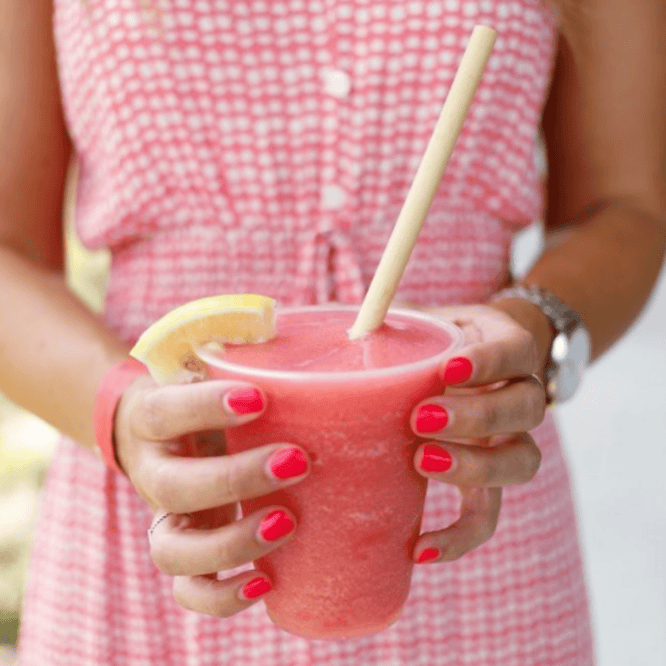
<point x="261" y="145"/>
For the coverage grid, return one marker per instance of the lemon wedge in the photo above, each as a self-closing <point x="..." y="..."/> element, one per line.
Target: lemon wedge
<point x="168" y="347"/>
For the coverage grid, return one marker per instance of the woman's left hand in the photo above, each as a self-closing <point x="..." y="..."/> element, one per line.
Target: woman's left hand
<point x="479" y="425"/>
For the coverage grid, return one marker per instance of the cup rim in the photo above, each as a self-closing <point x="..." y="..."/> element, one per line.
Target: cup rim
<point x="456" y="334"/>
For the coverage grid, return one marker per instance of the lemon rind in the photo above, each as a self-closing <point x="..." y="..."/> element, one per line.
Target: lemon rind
<point x="256" y="306"/>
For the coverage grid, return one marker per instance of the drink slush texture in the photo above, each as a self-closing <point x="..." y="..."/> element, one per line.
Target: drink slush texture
<point x="347" y="571"/>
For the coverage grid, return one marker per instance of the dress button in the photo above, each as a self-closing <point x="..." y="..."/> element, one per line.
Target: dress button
<point x="337" y="83"/>
<point x="333" y="197"/>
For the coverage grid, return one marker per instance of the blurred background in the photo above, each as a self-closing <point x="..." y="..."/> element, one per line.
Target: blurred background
<point x="614" y="437"/>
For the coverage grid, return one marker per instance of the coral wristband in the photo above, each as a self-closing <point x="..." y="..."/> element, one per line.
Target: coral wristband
<point x="111" y="388"/>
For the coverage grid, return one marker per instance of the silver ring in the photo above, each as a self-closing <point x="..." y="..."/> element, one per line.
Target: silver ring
<point x="157" y="520"/>
<point x="541" y="384"/>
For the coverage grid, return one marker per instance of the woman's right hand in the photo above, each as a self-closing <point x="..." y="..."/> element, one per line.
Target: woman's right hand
<point x="199" y="536"/>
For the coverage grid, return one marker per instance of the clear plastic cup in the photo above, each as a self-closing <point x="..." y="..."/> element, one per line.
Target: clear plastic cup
<point x="347" y="571"/>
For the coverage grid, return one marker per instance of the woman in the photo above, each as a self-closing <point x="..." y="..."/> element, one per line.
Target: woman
<point x="267" y="147"/>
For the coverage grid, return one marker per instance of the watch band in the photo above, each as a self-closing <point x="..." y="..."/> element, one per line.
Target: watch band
<point x="560" y="314"/>
<point x="563" y="373"/>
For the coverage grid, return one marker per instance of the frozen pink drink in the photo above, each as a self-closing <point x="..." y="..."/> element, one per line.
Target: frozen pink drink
<point x="347" y="403"/>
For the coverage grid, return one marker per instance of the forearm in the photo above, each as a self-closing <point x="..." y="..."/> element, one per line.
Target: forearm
<point x="53" y="351"/>
<point x="604" y="269"/>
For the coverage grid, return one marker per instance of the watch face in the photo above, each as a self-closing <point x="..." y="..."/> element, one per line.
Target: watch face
<point x="573" y="357"/>
<point x="560" y="350"/>
<point x="579" y="348"/>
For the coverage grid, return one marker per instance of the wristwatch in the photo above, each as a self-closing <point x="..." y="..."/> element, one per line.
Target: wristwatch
<point x="570" y="352"/>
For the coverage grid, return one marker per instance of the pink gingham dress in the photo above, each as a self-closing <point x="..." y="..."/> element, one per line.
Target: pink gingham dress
<point x="267" y="146"/>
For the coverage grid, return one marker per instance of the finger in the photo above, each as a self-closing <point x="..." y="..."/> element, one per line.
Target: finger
<point x="202" y="520"/>
<point x="497" y="348"/>
<point x="185" y="484"/>
<point x="178" y="550"/>
<point x="479" y="513"/>
<point x="220" y="598"/>
<point x="167" y="412"/>
<point x="516" y="406"/>
<point x="514" y="461"/>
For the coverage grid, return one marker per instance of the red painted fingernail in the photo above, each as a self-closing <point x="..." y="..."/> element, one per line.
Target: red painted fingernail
<point x="457" y="370"/>
<point x="287" y="463"/>
<point x="435" y="459"/>
<point x="244" y="401"/>
<point x="430" y="418"/>
<point x="255" y="588"/>
<point x="275" y="525"/>
<point x="428" y="555"/>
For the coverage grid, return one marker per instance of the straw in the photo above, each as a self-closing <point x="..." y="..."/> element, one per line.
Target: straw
<point x="428" y="177"/>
